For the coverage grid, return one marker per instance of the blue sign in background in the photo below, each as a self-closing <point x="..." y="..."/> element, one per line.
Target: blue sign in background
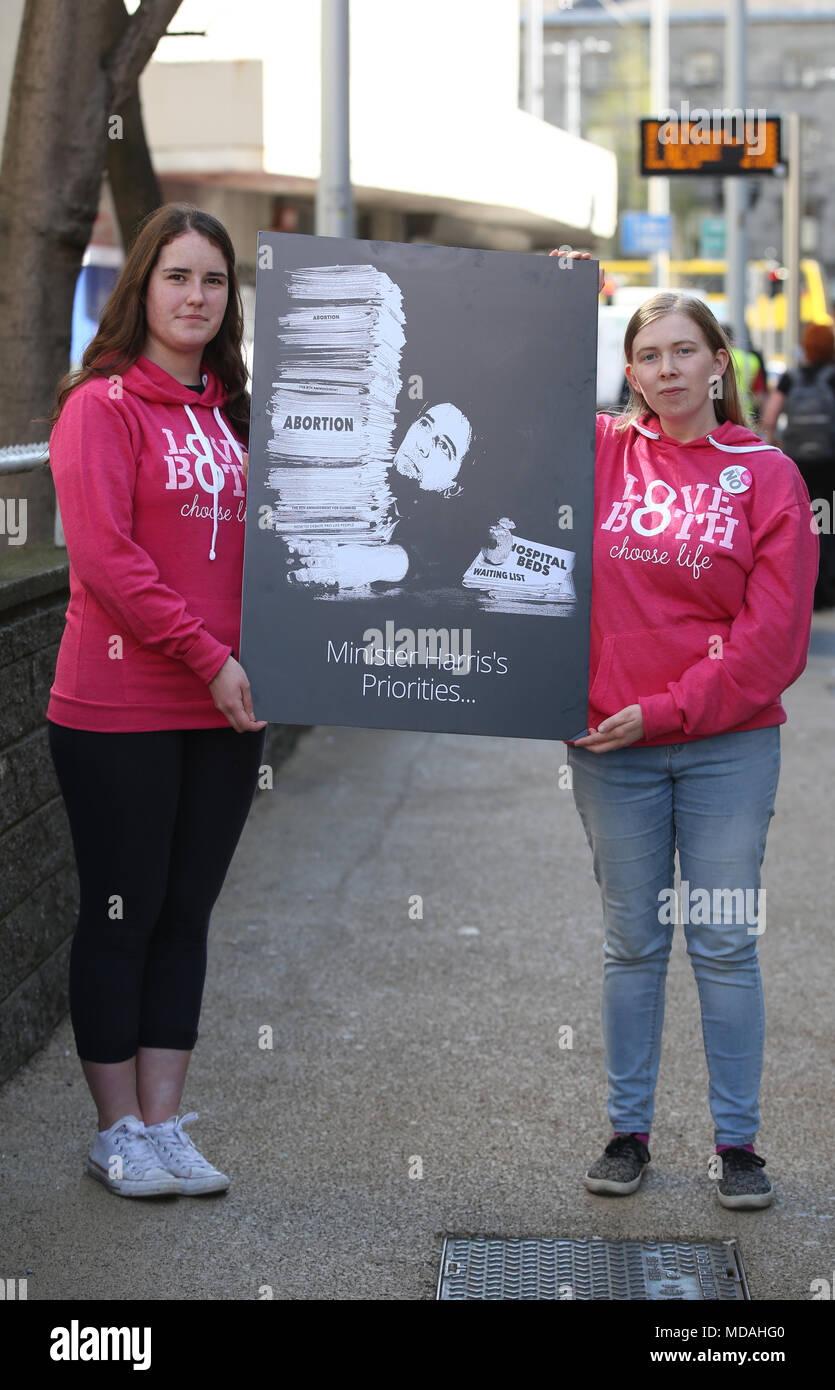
<point x="642" y="233"/>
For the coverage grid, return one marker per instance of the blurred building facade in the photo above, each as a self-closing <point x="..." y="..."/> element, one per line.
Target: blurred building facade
<point x="440" y="150"/>
<point x="791" y="67"/>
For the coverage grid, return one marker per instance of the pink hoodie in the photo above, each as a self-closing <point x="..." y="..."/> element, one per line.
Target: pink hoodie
<point x="705" y="560"/>
<point x="152" y="496"/>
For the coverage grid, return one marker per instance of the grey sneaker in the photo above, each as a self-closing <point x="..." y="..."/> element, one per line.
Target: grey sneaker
<point x="743" y="1183"/>
<point x="176" y="1151"/>
<point x="620" y="1167"/>
<point x="124" y="1160"/>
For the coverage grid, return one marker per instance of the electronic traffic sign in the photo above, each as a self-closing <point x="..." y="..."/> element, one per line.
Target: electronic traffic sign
<point x="713" y="144"/>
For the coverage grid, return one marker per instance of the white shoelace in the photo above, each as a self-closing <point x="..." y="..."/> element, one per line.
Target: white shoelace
<point x="176" y="1135"/>
<point x="137" y="1153"/>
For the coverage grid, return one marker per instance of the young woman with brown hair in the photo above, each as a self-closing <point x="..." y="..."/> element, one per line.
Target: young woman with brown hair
<point x="151" y="725"/>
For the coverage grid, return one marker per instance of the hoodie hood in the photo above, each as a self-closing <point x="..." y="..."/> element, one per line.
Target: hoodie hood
<point x="727" y="438"/>
<point x="152" y="383"/>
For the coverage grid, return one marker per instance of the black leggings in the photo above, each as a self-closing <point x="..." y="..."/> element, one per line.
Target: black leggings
<point x="155" y="819"/>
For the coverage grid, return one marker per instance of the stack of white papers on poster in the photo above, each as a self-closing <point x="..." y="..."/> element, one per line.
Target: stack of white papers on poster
<point x="333" y="404"/>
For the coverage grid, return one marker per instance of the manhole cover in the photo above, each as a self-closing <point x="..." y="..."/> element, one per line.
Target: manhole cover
<point x="590" y="1268"/>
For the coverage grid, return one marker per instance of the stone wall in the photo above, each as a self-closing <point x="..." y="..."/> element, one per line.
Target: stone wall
<point x="38" y="886"/>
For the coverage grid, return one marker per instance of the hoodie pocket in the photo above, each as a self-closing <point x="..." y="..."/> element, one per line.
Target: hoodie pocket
<point x="222" y="617"/>
<point x="151" y="676"/>
<point x="646" y="661"/>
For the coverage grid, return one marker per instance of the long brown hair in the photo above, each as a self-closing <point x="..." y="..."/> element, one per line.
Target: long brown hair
<point x="121" y="334"/>
<point x="727" y="404"/>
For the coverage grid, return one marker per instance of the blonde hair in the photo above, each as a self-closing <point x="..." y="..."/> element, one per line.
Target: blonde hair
<point x="728" y="405"/>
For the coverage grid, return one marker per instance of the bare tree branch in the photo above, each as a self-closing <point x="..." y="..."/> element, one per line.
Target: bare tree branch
<point x="133" y="183"/>
<point x="135" y="49"/>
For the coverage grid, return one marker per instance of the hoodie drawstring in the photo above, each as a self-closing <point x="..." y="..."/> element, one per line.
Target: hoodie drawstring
<point x="217" y="472"/>
<point x="725" y="448"/>
<point x="742" y="448"/>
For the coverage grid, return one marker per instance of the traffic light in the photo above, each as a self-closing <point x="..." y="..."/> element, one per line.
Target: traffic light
<point x="776" y="275"/>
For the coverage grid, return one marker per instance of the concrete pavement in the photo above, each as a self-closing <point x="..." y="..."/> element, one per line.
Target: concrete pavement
<point x="416" y="1085"/>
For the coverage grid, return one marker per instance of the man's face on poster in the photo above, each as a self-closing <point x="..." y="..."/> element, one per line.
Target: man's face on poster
<point x="434" y="446"/>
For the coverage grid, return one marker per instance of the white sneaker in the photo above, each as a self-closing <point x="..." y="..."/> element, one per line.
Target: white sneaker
<point x="124" y="1160"/>
<point x="192" y="1172"/>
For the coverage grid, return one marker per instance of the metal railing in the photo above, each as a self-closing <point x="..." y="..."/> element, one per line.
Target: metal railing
<point x="21" y="458"/>
<point x="25" y="458"/>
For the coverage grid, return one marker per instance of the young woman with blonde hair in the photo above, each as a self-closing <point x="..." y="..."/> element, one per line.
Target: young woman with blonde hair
<point x="704" y="569"/>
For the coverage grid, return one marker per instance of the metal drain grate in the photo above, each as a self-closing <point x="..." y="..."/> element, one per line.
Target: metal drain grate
<point x="590" y="1268"/>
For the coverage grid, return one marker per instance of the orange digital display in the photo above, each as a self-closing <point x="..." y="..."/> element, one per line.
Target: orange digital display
<point x="716" y="145"/>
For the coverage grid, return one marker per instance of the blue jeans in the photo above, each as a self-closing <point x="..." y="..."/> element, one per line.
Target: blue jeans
<point x="712" y="799"/>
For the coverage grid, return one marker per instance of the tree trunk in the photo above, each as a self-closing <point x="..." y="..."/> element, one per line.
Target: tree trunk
<point x="56" y="148"/>
<point x="133" y="183"/>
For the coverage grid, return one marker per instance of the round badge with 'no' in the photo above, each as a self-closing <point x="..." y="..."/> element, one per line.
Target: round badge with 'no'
<point x="735" y="478"/>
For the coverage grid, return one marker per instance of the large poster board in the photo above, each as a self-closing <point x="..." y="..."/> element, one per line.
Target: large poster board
<point x="420" y="492"/>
